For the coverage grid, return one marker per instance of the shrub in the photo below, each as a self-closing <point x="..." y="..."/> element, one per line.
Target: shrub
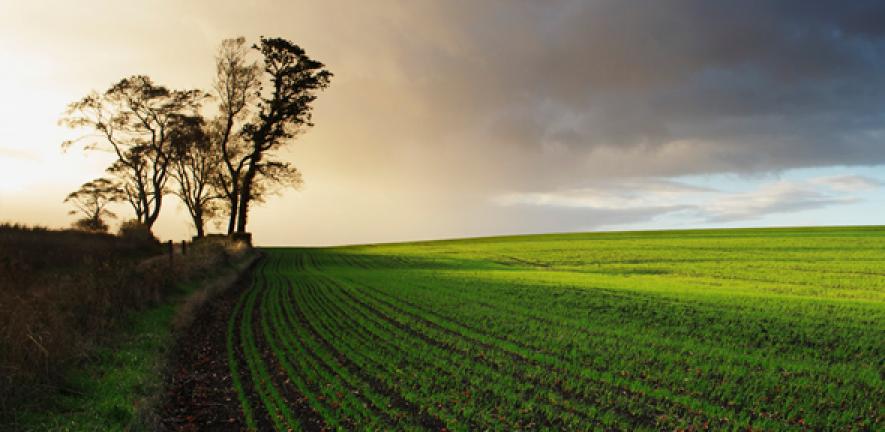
<point x="90" y="225"/>
<point x="137" y="232"/>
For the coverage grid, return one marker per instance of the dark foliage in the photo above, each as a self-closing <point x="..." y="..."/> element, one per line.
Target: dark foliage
<point x="283" y="110"/>
<point x="91" y="200"/>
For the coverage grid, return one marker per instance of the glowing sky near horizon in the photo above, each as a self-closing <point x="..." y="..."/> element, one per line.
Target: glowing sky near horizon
<point x="459" y="118"/>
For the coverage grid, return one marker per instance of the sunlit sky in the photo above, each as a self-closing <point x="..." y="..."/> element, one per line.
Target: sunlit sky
<point x="462" y="118"/>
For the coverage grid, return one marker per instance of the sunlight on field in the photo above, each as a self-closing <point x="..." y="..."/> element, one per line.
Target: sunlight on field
<point x="774" y="329"/>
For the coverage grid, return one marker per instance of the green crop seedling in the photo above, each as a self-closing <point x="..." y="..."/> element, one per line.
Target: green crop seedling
<point x="768" y="329"/>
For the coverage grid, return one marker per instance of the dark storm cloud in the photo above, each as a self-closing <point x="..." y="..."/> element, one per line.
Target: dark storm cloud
<point x="715" y="86"/>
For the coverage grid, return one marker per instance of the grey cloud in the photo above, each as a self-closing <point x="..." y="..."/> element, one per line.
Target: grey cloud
<point x="848" y="183"/>
<point x="620" y="194"/>
<point x="745" y="86"/>
<point x="783" y="197"/>
<point x="645" y="199"/>
<point x="524" y="218"/>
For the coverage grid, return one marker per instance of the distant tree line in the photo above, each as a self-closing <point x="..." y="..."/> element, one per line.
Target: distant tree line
<point x="217" y="164"/>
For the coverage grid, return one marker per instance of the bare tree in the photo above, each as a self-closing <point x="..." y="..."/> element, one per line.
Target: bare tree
<point x="195" y="169"/>
<point x="236" y="85"/>
<point x="283" y="109"/>
<point x="272" y="177"/>
<point x="134" y="120"/>
<point x="91" y="200"/>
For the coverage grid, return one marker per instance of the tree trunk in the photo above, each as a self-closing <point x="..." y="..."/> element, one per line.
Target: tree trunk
<point x="231" y="223"/>
<point x="198" y="222"/>
<point x="246" y="194"/>
<point x="245" y="197"/>
<point x="234" y="174"/>
<point x="151" y="217"/>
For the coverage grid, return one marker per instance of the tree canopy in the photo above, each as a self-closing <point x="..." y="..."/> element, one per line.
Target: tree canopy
<point x="91" y="201"/>
<point x="282" y="111"/>
<point x="220" y="165"/>
<point x="136" y="120"/>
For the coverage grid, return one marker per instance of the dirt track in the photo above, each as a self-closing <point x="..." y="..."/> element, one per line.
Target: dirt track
<point x="199" y="388"/>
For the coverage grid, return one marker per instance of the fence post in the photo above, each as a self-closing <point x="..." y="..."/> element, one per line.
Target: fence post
<point x="171" y="251"/>
<point x="184" y="247"/>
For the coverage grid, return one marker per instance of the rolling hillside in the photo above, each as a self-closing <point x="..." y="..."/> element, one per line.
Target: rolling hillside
<point x="772" y="329"/>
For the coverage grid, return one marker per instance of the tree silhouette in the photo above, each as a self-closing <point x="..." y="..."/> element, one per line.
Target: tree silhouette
<point x="236" y="86"/>
<point x="283" y="109"/>
<point x="135" y="119"/>
<point x="156" y="133"/>
<point x="91" y="200"/>
<point x="195" y="169"/>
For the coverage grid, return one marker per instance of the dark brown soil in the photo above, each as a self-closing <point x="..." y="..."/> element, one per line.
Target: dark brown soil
<point x="199" y="388"/>
<point x="199" y="391"/>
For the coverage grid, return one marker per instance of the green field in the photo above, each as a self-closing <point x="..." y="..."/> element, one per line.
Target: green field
<point x="773" y="329"/>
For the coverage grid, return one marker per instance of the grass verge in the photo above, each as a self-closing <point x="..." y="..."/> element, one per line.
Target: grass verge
<point x="119" y="387"/>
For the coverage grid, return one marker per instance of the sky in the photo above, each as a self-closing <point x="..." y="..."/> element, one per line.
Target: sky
<point x="461" y="118"/>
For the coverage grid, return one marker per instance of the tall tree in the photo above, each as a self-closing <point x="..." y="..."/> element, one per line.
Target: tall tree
<point x="91" y="200"/>
<point x="236" y="85"/>
<point x="195" y="168"/>
<point x="134" y="119"/>
<point x="283" y="109"/>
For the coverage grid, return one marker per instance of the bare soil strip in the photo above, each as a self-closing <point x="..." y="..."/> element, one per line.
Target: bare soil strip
<point x="199" y="390"/>
<point x="199" y="393"/>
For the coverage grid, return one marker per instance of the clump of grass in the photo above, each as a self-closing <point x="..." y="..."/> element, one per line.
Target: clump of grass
<point x="100" y="396"/>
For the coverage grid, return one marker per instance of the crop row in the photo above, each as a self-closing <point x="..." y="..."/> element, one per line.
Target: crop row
<point x="342" y="340"/>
